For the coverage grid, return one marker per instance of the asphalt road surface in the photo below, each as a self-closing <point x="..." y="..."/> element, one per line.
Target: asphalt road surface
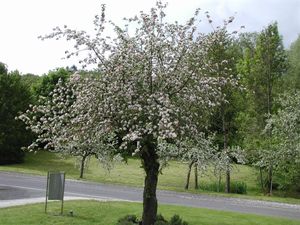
<point x="20" y="186"/>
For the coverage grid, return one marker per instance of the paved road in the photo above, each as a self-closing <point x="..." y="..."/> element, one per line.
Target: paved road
<point x="21" y="186"/>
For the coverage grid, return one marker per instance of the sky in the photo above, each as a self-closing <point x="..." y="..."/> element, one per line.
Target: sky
<point x="21" y="22"/>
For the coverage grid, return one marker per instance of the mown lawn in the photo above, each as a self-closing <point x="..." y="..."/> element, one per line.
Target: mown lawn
<point x="107" y="213"/>
<point x="173" y="177"/>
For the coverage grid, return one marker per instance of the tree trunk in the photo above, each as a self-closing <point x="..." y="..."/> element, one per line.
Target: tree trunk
<point x="261" y="180"/>
<point x="151" y="167"/>
<point x="270" y="180"/>
<point x="196" y="177"/>
<point x="188" y="176"/>
<point x="219" y="183"/>
<point x="270" y="87"/>
<point x="227" y="185"/>
<point x="82" y="166"/>
<point x="225" y="146"/>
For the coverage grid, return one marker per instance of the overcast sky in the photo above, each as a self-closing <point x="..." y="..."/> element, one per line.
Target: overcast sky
<point x="22" y="21"/>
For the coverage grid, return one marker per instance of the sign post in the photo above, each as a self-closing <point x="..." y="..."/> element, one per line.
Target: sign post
<point x="55" y="188"/>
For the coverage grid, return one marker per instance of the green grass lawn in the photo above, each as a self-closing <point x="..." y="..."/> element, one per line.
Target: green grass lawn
<point x="131" y="174"/>
<point x="107" y="213"/>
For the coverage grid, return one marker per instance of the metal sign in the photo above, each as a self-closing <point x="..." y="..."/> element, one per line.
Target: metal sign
<point x="55" y="187"/>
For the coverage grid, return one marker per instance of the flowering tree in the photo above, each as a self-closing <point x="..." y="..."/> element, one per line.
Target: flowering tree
<point x="199" y="152"/>
<point x="285" y="125"/>
<point x="224" y="53"/>
<point x="60" y="127"/>
<point x="263" y="67"/>
<point x="284" y="155"/>
<point x="223" y="161"/>
<point x="153" y="88"/>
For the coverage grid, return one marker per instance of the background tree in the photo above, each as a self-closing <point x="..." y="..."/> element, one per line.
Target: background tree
<point x="247" y="42"/>
<point x="293" y="73"/>
<point x="48" y="81"/>
<point x="224" y="161"/>
<point x="31" y="82"/>
<point x="262" y="72"/>
<point x="3" y="68"/>
<point x="286" y="132"/>
<point x="224" y="53"/>
<point x="14" y="97"/>
<point x="198" y="152"/>
<point x="152" y="86"/>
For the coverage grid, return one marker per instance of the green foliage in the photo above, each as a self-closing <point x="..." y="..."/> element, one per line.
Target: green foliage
<point x="213" y="186"/>
<point x="247" y="42"/>
<point x="237" y="187"/>
<point x="288" y="177"/>
<point x="263" y="65"/>
<point x="161" y="223"/>
<point x="49" y="81"/>
<point x="285" y="131"/>
<point x="14" y="97"/>
<point x="160" y="220"/>
<point x="176" y="220"/>
<point x="262" y="68"/>
<point x="31" y="81"/>
<point x="128" y="220"/>
<point x="3" y="68"/>
<point x="293" y="75"/>
<point x="226" y="54"/>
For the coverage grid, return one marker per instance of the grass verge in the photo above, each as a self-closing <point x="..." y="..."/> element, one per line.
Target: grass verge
<point x="107" y="213"/>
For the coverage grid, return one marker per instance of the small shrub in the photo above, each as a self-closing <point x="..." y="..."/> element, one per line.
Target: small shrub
<point x="239" y="187"/>
<point x="176" y="220"/>
<point x="160" y="220"/>
<point x="235" y="187"/>
<point x="128" y="220"/>
<point x="214" y="187"/>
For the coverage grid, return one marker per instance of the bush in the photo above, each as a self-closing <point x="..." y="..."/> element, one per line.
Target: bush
<point x="235" y="187"/>
<point x="176" y="220"/>
<point x="14" y="97"/>
<point x="213" y="187"/>
<point x="128" y="220"/>
<point x="160" y="220"/>
<point x="239" y="187"/>
<point x="161" y="223"/>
